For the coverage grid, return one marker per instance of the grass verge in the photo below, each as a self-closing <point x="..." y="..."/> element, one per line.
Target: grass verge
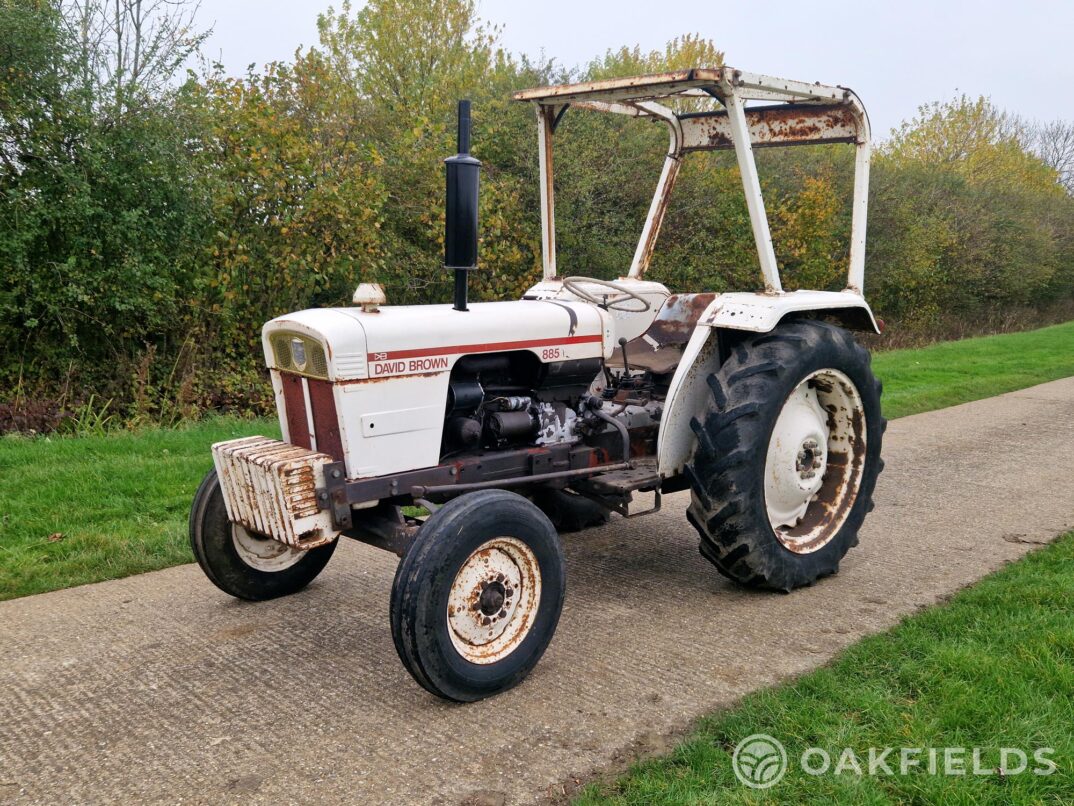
<point x="77" y="510"/>
<point x="992" y="668"/>
<point x="82" y="509"/>
<point x="953" y="372"/>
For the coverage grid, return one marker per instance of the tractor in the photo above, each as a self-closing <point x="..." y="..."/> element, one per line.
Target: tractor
<point x="464" y="437"/>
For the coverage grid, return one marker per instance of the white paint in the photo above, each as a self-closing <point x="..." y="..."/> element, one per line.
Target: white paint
<point x="623" y="323"/>
<point x="801" y="429"/>
<point x="687" y="396"/>
<point x="401" y="421"/>
<point x="747" y="167"/>
<point x="759" y="313"/>
<point x="263" y="553"/>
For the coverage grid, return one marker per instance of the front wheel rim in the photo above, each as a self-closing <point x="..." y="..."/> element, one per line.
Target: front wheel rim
<point x="813" y="467"/>
<point x="263" y="553"/>
<point x="493" y="600"/>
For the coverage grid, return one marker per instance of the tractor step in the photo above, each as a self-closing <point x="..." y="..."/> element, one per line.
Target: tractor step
<point x="640" y="478"/>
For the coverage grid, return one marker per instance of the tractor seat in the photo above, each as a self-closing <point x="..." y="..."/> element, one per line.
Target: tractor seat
<point x="659" y="349"/>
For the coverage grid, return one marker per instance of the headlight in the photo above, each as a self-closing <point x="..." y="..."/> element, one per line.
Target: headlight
<point x="300" y="354"/>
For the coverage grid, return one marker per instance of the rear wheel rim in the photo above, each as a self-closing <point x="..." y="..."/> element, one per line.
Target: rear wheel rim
<point x="263" y="553"/>
<point x="813" y="466"/>
<point x="493" y="600"/>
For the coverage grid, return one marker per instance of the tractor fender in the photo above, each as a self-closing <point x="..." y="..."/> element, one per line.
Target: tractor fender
<point x="742" y="311"/>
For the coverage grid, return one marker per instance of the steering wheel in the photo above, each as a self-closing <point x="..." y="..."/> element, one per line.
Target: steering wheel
<point x="572" y="285"/>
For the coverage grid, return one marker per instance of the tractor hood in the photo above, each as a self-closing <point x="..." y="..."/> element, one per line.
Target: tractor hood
<point x="351" y="344"/>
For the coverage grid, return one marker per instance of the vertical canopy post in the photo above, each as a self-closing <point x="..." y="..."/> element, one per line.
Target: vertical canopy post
<point x="545" y="127"/>
<point x="740" y="133"/>
<point x="859" y="210"/>
<point x="659" y="205"/>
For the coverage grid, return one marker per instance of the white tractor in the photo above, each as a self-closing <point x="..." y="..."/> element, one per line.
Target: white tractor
<point x="508" y="421"/>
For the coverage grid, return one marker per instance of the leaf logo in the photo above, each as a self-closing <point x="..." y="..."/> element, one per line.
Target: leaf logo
<point x="759" y="761"/>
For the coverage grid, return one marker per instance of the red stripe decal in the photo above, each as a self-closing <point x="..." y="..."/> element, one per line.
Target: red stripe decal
<point x="424" y="352"/>
<point x="325" y="421"/>
<point x="294" y="405"/>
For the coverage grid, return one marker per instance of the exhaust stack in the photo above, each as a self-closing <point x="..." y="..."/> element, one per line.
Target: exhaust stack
<point x="460" y="234"/>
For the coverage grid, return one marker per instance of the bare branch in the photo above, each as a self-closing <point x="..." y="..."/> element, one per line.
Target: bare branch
<point x="1053" y="142"/>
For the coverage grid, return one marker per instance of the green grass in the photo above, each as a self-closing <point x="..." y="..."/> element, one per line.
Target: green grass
<point x="83" y="509"/>
<point x="120" y="501"/>
<point x="992" y="668"/>
<point x="954" y="372"/>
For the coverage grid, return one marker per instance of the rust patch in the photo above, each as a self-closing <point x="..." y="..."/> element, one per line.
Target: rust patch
<point x="670" y="330"/>
<point x="659" y="209"/>
<point x="832" y="504"/>
<point x="383" y="378"/>
<point x="675" y="322"/>
<point x="643" y="441"/>
<point x="786" y="124"/>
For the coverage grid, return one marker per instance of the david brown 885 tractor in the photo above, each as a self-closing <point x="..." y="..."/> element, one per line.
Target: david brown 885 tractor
<point x="510" y="420"/>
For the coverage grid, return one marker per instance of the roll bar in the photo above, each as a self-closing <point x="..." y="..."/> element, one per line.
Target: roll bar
<point x="802" y="114"/>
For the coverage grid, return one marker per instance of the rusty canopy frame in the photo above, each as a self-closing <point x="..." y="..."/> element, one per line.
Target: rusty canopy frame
<point x="798" y="114"/>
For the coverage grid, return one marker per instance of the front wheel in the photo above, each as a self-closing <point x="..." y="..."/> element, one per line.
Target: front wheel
<point x="787" y="456"/>
<point x="242" y="563"/>
<point x="477" y="597"/>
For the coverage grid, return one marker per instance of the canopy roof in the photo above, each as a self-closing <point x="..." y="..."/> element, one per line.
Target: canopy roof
<point x="697" y="81"/>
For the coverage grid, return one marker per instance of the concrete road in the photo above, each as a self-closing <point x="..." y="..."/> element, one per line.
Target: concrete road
<point x="159" y="688"/>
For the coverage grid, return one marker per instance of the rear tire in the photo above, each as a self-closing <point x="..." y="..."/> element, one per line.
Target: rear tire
<point x="477" y="597"/>
<point x="787" y="456"/>
<point x="244" y="564"/>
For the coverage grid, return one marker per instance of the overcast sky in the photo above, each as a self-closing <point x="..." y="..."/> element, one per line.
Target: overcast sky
<point x="896" y="55"/>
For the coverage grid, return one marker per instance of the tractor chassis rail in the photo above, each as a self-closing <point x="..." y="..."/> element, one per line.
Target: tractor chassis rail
<point x="551" y="466"/>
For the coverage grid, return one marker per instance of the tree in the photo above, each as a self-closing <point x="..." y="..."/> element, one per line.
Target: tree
<point x="100" y="209"/>
<point x="1054" y="144"/>
<point x="975" y="138"/>
<point x="682" y="52"/>
<point x="130" y="50"/>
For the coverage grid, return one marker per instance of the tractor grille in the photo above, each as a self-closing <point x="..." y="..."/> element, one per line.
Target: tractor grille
<point x="270" y="487"/>
<point x="313" y="362"/>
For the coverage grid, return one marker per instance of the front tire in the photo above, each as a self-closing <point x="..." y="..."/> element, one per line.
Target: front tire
<point x="244" y="564"/>
<point x="477" y="597"/>
<point x="787" y="456"/>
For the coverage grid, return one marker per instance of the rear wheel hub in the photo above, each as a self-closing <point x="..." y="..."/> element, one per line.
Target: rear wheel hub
<point x="813" y="462"/>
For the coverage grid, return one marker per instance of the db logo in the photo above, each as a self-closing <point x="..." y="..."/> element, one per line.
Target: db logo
<point x="759" y="761"/>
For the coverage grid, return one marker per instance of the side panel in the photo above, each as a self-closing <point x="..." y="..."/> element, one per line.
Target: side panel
<point x="392" y="425"/>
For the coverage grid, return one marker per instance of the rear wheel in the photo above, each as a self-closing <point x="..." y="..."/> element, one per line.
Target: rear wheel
<point x="477" y="597"/>
<point x="243" y="563"/>
<point x="787" y="456"/>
